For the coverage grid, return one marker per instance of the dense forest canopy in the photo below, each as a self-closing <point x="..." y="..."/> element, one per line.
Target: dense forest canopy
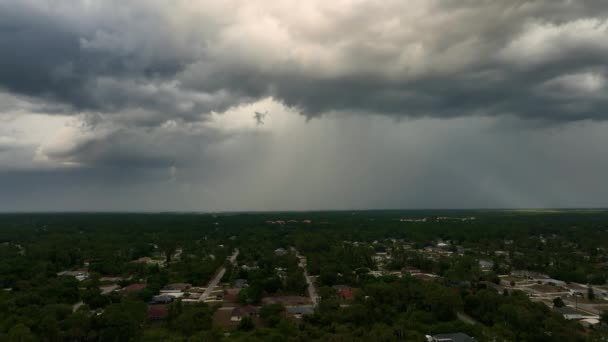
<point x="361" y="264"/>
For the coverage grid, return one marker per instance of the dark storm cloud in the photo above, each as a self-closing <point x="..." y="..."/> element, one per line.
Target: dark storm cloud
<point x="420" y="58"/>
<point x="85" y="58"/>
<point x="345" y="163"/>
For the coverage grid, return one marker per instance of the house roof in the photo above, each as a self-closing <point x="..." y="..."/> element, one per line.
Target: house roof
<point x="300" y="310"/>
<point x="346" y="293"/>
<point x="245" y="311"/>
<point x="158" y="312"/>
<point x="142" y="260"/>
<point x="177" y="286"/>
<point x="240" y="282"/>
<point x="134" y="288"/>
<point x="162" y="299"/>
<point x="590" y="321"/>
<point x="410" y="269"/>
<point x="424" y="276"/>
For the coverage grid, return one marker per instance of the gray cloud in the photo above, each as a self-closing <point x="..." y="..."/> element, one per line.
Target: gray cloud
<point x="344" y="163"/>
<point x="187" y="59"/>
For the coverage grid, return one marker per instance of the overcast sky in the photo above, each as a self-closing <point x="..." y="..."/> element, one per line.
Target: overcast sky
<point x="205" y="105"/>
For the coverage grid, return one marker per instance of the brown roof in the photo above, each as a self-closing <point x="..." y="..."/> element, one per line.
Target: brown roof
<point x="346" y="293"/>
<point x="286" y="300"/>
<point x="158" y="312"/>
<point x="142" y="260"/>
<point x="248" y="310"/>
<point x="178" y="286"/>
<point x="134" y="288"/>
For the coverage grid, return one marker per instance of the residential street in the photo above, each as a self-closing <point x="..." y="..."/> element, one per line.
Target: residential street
<point x="312" y="291"/>
<point x="216" y="279"/>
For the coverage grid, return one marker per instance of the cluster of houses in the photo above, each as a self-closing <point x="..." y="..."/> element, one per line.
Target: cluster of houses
<point x="160" y="261"/>
<point x="438" y="219"/>
<point x="158" y="305"/>
<point x="283" y="222"/>
<point x="186" y="292"/>
<point x="461" y="219"/>
<point x="541" y="288"/>
<point x="455" y="337"/>
<point x="80" y="275"/>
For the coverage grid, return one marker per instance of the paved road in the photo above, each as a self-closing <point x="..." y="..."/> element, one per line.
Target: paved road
<point x="465" y="318"/>
<point x="312" y="291"/>
<point x="218" y="276"/>
<point x="76" y="306"/>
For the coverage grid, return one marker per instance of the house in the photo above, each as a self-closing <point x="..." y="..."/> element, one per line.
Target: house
<point x="344" y="291"/>
<point x="299" y="311"/>
<point x="245" y="311"/>
<point x="158" y="312"/>
<point x="280" y="252"/>
<point x="133" y="288"/>
<point x="286" y="300"/>
<point x="589" y="322"/>
<point x="425" y="276"/>
<point x="149" y="261"/>
<point x="376" y="273"/>
<point x="346" y="294"/>
<point x="456" y="337"/>
<point x="107" y="289"/>
<point x="162" y="299"/>
<point x="410" y="270"/>
<point x="80" y="275"/>
<point x="176" y="287"/>
<point x="569" y="313"/>
<point x="143" y="260"/>
<point x="486" y="265"/>
<point x="111" y="279"/>
<point x="442" y="244"/>
<point x="241" y="283"/>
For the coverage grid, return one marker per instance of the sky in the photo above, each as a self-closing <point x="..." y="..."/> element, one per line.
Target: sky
<point x="238" y="105"/>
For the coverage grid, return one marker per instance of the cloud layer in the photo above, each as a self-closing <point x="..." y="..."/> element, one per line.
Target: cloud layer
<point x="169" y="96"/>
<point x="187" y="59"/>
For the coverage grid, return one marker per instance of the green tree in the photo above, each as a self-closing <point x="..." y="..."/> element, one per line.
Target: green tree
<point x="193" y="319"/>
<point x="590" y="293"/>
<point x="272" y="313"/>
<point x="50" y="329"/>
<point x="246" y="324"/>
<point x="604" y="317"/>
<point x="558" y="302"/>
<point x="94" y="298"/>
<point x="21" y="333"/>
<point x="122" y="321"/>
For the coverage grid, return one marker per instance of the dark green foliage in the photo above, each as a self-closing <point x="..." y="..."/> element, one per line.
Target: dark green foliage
<point x="558" y="302"/>
<point x="189" y="319"/>
<point x="590" y="293"/>
<point x="246" y="324"/>
<point x="272" y="314"/>
<point x="120" y="322"/>
<point x="37" y="305"/>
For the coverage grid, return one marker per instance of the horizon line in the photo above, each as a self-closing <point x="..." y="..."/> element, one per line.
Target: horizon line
<point x="211" y="212"/>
